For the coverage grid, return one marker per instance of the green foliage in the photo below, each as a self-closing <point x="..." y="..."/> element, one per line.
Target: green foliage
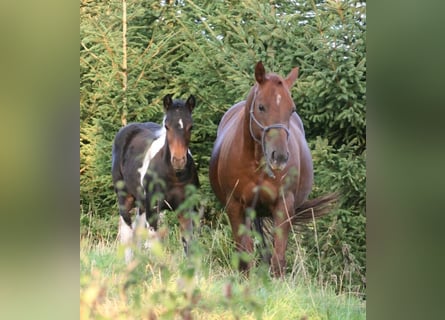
<point x="340" y="250"/>
<point x="163" y="284"/>
<point x="209" y="49"/>
<point x="332" y="95"/>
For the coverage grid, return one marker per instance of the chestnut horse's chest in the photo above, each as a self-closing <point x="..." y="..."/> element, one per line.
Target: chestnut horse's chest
<point x="264" y="193"/>
<point x="253" y="186"/>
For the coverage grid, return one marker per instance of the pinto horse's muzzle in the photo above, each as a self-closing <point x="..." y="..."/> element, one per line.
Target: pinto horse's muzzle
<point x="178" y="163"/>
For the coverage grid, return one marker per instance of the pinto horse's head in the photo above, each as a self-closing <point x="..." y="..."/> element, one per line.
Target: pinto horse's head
<point x="178" y="124"/>
<point x="271" y="108"/>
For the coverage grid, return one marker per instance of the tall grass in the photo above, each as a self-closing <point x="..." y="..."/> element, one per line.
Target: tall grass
<point x="161" y="283"/>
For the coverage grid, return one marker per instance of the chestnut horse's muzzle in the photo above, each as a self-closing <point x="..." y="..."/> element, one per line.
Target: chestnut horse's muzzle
<point x="278" y="160"/>
<point x="275" y="147"/>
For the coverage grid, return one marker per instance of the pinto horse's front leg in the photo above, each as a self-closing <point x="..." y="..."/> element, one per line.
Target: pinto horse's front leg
<point x="282" y="224"/>
<point x="186" y="226"/>
<point x="126" y="203"/>
<point x="153" y="203"/>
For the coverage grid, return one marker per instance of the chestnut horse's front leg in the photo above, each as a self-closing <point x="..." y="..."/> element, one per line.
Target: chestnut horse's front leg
<point x="282" y="224"/>
<point x="243" y="239"/>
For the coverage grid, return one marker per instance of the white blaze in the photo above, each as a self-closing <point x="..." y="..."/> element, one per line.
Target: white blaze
<point x="278" y="99"/>
<point x="181" y="124"/>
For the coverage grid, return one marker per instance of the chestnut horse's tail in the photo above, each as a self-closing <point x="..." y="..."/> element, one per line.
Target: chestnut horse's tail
<point x="309" y="210"/>
<point x="315" y="208"/>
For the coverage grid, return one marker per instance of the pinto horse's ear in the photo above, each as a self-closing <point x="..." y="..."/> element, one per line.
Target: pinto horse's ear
<point x="167" y="102"/>
<point x="260" y="72"/>
<point x="292" y="77"/>
<point x="190" y="103"/>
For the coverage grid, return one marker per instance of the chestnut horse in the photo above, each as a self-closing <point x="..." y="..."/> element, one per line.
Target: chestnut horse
<point x="261" y="161"/>
<point x="151" y="167"/>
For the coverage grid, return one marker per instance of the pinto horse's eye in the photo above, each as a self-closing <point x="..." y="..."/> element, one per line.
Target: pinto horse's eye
<point x="262" y="108"/>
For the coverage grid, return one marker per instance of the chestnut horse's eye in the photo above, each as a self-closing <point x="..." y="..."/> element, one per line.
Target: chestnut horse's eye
<point x="167" y="127"/>
<point x="262" y="108"/>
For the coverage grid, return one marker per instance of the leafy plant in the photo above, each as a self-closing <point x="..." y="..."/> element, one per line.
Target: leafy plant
<point x="209" y="49"/>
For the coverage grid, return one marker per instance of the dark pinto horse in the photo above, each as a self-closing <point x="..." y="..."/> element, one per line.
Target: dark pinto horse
<point x="261" y="161"/>
<point x="151" y="167"/>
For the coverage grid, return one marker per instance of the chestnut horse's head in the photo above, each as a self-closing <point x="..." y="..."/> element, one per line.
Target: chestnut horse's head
<point x="178" y="124"/>
<point x="270" y="109"/>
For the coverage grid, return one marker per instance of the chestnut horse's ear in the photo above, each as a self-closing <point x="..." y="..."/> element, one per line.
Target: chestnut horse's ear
<point x="260" y="72"/>
<point x="291" y="77"/>
<point x="167" y="102"/>
<point x="190" y="103"/>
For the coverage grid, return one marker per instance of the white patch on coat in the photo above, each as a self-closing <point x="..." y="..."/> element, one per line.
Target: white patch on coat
<point x="126" y="237"/>
<point x="278" y="99"/>
<point x="142" y="231"/>
<point x="151" y="152"/>
<point x="181" y="124"/>
<point x="151" y="239"/>
<point x="145" y="234"/>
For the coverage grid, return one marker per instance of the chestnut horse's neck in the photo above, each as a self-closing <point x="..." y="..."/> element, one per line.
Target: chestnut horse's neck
<point x="250" y="144"/>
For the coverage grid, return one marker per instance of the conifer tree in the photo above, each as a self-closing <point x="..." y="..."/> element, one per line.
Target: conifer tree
<point x="209" y="49"/>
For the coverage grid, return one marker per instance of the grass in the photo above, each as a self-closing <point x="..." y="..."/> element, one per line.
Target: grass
<point x="164" y="284"/>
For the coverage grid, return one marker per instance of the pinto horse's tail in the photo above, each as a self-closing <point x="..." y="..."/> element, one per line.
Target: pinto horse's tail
<point x="315" y="208"/>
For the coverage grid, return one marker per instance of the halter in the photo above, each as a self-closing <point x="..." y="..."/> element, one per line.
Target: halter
<point x="264" y="130"/>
